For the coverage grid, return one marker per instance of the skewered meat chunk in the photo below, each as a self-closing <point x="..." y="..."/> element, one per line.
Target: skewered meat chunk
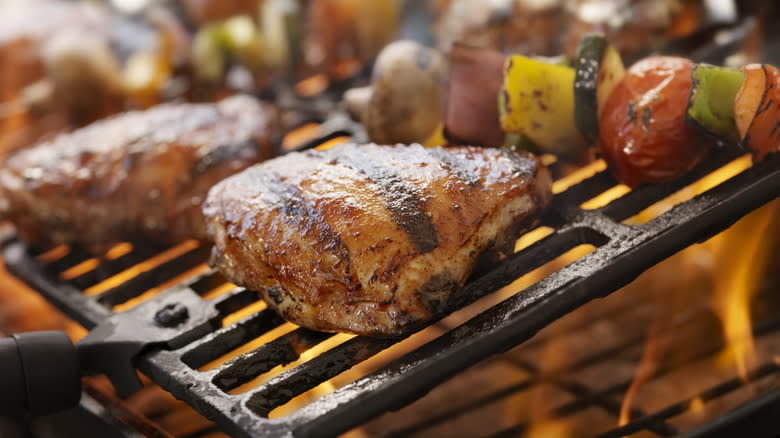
<point x="138" y="174"/>
<point x="373" y="240"/>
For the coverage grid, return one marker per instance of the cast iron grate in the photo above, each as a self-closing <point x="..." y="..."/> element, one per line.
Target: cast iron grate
<point x="621" y="252"/>
<point x="577" y="371"/>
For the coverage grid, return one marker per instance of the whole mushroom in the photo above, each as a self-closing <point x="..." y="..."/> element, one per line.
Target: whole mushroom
<point x="406" y="98"/>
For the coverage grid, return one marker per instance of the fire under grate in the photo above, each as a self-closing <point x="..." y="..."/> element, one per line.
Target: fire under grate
<point x="572" y="377"/>
<point x="76" y="283"/>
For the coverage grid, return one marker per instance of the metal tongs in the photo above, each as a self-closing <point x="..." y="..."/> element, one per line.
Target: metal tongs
<point x="40" y="372"/>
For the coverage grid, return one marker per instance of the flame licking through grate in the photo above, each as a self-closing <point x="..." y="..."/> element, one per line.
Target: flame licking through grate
<point x="734" y="262"/>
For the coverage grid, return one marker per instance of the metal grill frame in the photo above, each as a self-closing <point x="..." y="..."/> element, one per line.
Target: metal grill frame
<point x="622" y="253"/>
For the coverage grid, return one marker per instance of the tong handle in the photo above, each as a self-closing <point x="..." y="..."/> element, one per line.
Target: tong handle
<point x="39" y="373"/>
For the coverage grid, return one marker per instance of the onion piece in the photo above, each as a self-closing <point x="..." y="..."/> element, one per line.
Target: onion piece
<point x="471" y="115"/>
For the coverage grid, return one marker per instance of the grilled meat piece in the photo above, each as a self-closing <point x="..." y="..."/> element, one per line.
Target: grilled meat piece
<point x="138" y="174"/>
<point x="373" y="240"/>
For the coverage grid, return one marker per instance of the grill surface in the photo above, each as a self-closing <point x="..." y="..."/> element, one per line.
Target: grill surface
<point x="570" y="379"/>
<point x="621" y="253"/>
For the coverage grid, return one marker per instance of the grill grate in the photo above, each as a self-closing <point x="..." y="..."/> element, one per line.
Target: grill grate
<point x="593" y="370"/>
<point x="621" y="252"/>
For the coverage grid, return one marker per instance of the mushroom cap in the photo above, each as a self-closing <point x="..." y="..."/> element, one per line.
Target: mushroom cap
<point x="408" y="93"/>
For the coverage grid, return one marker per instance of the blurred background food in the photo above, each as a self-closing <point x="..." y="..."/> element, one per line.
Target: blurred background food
<point x="66" y="63"/>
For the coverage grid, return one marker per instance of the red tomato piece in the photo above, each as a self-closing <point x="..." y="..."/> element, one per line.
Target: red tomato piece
<point x="643" y="134"/>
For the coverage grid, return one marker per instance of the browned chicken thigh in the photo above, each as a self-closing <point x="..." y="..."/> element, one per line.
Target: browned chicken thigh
<point x="140" y="174"/>
<point x="372" y="240"/>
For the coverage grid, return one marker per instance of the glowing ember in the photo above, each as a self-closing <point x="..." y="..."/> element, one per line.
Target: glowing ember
<point x="244" y="313"/>
<point x="697" y="406"/>
<point x="541" y="397"/>
<point x="548" y="268"/>
<point x="548" y="159"/>
<point x="254" y="344"/>
<point x="578" y="175"/>
<point x="311" y="86"/>
<point x="548" y="429"/>
<point x="219" y="291"/>
<point x="606" y="197"/>
<point x="118" y="250"/>
<point x="532" y="237"/>
<point x="53" y="254"/>
<point x="299" y="136"/>
<point x="144" y="266"/>
<point x="346" y="68"/>
<point x="713" y="179"/>
<point x="81" y="268"/>
<point x="171" y="282"/>
<point x="332" y="142"/>
<point x="21" y="310"/>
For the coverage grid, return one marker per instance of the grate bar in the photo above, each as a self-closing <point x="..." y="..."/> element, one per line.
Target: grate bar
<point x="280" y="351"/>
<point x="108" y="268"/>
<point x="235" y="300"/>
<point x="704" y="350"/>
<point x="459" y="410"/>
<point x="683" y="406"/>
<point x="207" y="282"/>
<point x="758" y="420"/>
<point x="329" y="364"/>
<point x="227" y="339"/>
<point x="635" y="201"/>
<point x="154" y="276"/>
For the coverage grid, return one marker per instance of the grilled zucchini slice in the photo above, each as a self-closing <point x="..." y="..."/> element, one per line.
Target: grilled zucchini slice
<point x="598" y="69"/>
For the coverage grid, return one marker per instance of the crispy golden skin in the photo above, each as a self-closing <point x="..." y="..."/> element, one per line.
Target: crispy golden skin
<point x="136" y="175"/>
<point x="372" y="240"/>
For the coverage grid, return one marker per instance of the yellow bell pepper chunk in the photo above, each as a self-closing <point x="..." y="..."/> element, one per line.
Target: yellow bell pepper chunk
<point x="537" y="100"/>
<point x="436" y="138"/>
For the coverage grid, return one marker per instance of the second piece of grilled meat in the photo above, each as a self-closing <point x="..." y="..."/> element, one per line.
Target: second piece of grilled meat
<point x="373" y="240"/>
<point x="140" y="174"/>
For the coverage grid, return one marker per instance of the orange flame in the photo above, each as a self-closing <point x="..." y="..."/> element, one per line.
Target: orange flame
<point x="312" y="85"/>
<point x="554" y="356"/>
<point x="731" y="280"/>
<point x="648" y="365"/>
<point x="741" y="258"/>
